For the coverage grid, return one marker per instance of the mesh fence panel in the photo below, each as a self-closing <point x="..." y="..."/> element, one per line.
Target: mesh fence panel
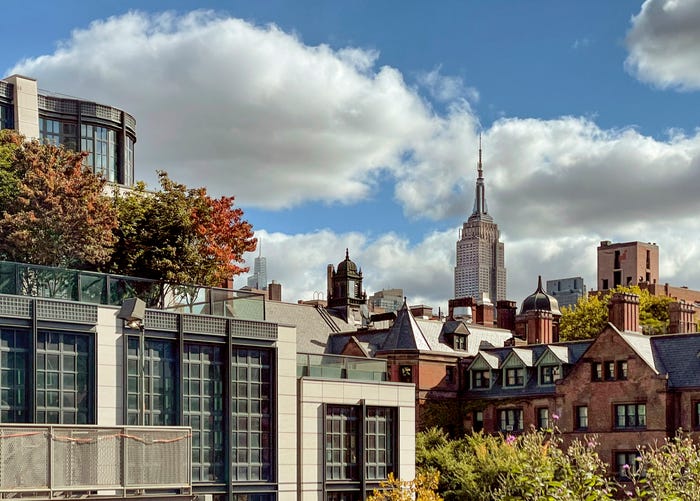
<point x="155" y="458"/>
<point x="24" y="462"/>
<point x="86" y="457"/>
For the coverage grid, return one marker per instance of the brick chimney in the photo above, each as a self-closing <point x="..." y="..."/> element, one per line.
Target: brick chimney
<point x="505" y="314"/>
<point x="623" y="311"/>
<point x="274" y="291"/>
<point x="484" y="314"/>
<point x="681" y="318"/>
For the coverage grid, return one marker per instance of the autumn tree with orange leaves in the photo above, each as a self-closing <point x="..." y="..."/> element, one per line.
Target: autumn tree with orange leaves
<point x="180" y="235"/>
<point x="53" y="210"/>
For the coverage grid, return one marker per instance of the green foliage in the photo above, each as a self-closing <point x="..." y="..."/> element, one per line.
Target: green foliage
<point x="54" y="211"/>
<point x="590" y="316"/>
<point x="531" y="466"/>
<point x="179" y="235"/>
<point x="422" y="488"/>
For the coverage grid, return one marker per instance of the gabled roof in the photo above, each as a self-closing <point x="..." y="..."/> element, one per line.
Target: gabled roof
<point x="641" y="345"/>
<point x="491" y="359"/>
<point x="525" y="355"/>
<point x="678" y="355"/>
<point x="559" y="352"/>
<point x="405" y="334"/>
<point x="313" y="324"/>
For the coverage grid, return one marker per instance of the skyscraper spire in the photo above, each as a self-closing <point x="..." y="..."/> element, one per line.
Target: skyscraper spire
<point x="480" y="209"/>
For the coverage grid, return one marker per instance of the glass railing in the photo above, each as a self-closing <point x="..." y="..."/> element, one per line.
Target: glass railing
<point x="103" y="288"/>
<point x="49" y="460"/>
<point x="341" y="367"/>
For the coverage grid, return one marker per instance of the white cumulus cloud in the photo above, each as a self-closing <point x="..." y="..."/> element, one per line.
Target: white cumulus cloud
<point x="663" y="44"/>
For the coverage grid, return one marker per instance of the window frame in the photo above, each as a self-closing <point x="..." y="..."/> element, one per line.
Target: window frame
<point x="510" y="418"/>
<point x="548" y="379"/>
<point x="622" y="458"/>
<point x="544" y="421"/>
<point x="581" y="421"/>
<point x="514" y="377"/>
<point x="482" y="377"/>
<point x="631" y="420"/>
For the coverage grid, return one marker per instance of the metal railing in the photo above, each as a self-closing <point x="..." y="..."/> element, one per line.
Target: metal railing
<point x="51" y="460"/>
<point x="103" y="288"/>
<point x="341" y="367"/>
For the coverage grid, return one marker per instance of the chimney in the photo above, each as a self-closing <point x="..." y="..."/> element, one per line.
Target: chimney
<point x="681" y="318"/>
<point x="623" y="311"/>
<point x="539" y="327"/>
<point x="505" y="315"/>
<point x="274" y="291"/>
<point x="484" y="314"/>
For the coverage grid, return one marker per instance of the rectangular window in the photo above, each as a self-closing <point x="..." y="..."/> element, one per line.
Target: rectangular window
<point x="251" y="420"/>
<point x="6" y="120"/>
<point x="696" y="414"/>
<point x="64" y="378"/>
<point x="449" y="375"/>
<point x="630" y="416"/>
<point x="14" y="355"/>
<point x="203" y="397"/>
<point x="581" y="413"/>
<point x="510" y="419"/>
<point x="460" y="342"/>
<point x="549" y="374"/>
<point x="102" y="146"/>
<point x="596" y="371"/>
<point x="478" y="421"/>
<point x="379" y="442"/>
<point x="341" y="443"/>
<point x="151" y="382"/>
<point x="605" y="284"/>
<point x="481" y="379"/>
<point x="543" y="418"/>
<point x="626" y="464"/>
<point x="622" y="369"/>
<point x="406" y="374"/>
<point x="515" y="376"/>
<point x="609" y="368"/>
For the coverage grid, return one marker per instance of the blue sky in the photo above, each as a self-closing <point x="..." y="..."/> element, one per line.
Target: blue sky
<point x="355" y="124"/>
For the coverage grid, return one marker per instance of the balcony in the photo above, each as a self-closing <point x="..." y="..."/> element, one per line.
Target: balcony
<point x="101" y="288"/>
<point x="61" y="461"/>
<point x="340" y="367"/>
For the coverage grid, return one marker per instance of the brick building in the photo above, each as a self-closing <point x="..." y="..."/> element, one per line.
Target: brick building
<point x="627" y="264"/>
<point x="627" y="388"/>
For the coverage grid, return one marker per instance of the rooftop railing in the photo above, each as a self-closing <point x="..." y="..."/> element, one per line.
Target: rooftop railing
<point x="46" y="461"/>
<point x="103" y="288"/>
<point x="341" y="367"/>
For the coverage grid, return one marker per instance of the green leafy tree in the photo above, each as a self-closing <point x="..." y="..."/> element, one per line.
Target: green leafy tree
<point x="422" y="488"/>
<point x="180" y="235"/>
<point x="54" y="211"/>
<point x="531" y="466"/>
<point x="590" y="316"/>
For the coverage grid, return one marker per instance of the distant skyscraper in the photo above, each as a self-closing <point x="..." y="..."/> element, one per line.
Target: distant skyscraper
<point x="567" y="291"/>
<point x="480" y="269"/>
<point x="258" y="280"/>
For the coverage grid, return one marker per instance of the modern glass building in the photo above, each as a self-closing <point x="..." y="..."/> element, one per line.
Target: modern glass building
<point x="106" y="133"/>
<point x="204" y="400"/>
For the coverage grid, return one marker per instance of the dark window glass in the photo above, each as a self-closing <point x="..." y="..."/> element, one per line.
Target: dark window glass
<point x="626" y="464"/>
<point x="6" y="117"/>
<point x="609" y="371"/>
<point x="449" y="375"/>
<point x="511" y="419"/>
<point x="379" y="442"/>
<point x="64" y="378"/>
<point x="630" y="416"/>
<point x="478" y="421"/>
<point x="696" y="415"/>
<point x="581" y="417"/>
<point x="102" y="147"/>
<point x="341" y="443"/>
<point x="515" y="376"/>
<point x="622" y="369"/>
<point x="481" y="379"/>
<point x="13" y="375"/>
<point x="251" y="415"/>
<point x="203" y="387"/>
<point x="406" y="374"/>
<point x="596" y="371"/>
<point x="549" y="374"/>
<point x="543" y="418"/>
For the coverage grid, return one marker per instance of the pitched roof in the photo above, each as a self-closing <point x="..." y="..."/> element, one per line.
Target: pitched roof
<point x="314" y="324"/>
<point x="405" y="334"/>
<point x="678" y="355"/>
<point x="641" y="345"/>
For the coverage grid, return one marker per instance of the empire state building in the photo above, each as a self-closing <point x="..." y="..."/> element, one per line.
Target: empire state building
<point x="480" y="271"/>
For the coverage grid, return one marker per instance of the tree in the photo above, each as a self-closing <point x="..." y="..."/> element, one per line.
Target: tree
<point x="590" y="316"/>
<point x="180" y="235"/>
<point x="54" y="211"/>
<point x="422" y="488"/>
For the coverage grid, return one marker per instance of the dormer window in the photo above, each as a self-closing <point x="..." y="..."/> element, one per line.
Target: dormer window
<point x="515" y="376"/>
<point x="549" y="374"/>
<point x="481" y="379"/>
<point x="460" y="342"/>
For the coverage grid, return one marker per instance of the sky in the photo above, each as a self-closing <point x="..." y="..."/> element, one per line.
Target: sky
<point x="356" y="124"/>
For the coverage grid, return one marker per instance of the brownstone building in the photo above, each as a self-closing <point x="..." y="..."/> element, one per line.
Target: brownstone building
<point x="627" y="388"/>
